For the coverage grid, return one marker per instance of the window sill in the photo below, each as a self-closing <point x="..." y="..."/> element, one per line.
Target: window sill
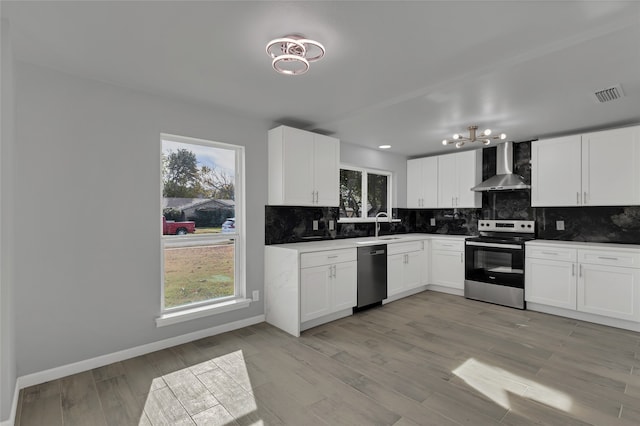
<point x="201" y="311"/>
<point x="367" y="220"/>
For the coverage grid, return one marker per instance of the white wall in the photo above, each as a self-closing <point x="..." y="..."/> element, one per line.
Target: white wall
<point x="7" y="323"/>
<point x="356" y="155"/>
<point x="87" y="188"/>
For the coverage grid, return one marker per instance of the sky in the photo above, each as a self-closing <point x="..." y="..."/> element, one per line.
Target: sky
<point x="219" y="158"/>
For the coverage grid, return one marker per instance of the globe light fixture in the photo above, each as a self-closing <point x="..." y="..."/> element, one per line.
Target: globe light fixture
<point x="484" y="137"/>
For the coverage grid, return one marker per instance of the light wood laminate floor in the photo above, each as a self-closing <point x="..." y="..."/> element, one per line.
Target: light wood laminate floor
<point x="429" y="359"/>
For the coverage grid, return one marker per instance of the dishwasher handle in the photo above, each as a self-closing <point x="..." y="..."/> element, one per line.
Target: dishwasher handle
<point x="377" y="252"/>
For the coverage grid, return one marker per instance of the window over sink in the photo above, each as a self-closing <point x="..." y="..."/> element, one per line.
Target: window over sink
<point x="364" y="193"/>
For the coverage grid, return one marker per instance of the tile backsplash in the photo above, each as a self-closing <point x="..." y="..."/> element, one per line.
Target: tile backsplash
<point x="285" y="224"/>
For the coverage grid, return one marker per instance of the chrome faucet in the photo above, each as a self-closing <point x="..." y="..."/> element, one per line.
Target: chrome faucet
<point x="376" y="219"/>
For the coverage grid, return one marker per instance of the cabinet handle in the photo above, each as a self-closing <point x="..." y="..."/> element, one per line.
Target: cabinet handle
<point x="584" y="198"/>
<point x="578" y="198"/>
<point x="461" y="259"/>
<point x="335" y="271"/>
<point x="317" y="196"/>
<point x="313" y="197"/>
<point x="607" y="258"/>
<point x="580" y="270"/>
<point x="332" y="257"/>
<point x="573" y="269"/>
<point x="550" y="252"/>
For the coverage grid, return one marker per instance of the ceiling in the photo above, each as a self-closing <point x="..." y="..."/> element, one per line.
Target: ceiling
<point x="406" y="74"/>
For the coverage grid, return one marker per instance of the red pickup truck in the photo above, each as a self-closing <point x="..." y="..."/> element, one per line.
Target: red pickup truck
<point x="171" y="227"/>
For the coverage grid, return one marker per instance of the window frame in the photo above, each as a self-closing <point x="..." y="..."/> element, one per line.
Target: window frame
<point x="208" y="307"/>
<point x="364" y="192"/>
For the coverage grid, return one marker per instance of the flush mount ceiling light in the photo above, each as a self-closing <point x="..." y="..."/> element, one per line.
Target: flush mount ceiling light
<point x="485" y="137"/>
<point x="291" y="54"/>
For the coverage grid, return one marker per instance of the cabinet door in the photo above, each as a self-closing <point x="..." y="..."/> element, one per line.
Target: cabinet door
<point x="430" y="182"/>
<point x="326" y="170"/>
<point x="414" y="184"/>
<point x="468" y="174"/>
<point x="551" y="282"/>
<point x="447" y="181"/>
<point x="344" y="286"/>
<point x="395" y="266"/>
<point x="297" y="167"/>
<point x="315" y="292"/>
<point x="556" y="172"/>
<point x="609" y="291"/>
<point x="447" y="268"/>
<point x="611" y="167"/>
<point x="411" y="274"/>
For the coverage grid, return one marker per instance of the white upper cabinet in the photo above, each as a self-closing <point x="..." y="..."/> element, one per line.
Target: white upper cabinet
<point x="611" y="167"/>
<point x="556" y="172"/>
<point x="304" y="168"/>
<point x="457" y="174"/>
<point x="422" y="183"/>
<point x="593" y="169"/>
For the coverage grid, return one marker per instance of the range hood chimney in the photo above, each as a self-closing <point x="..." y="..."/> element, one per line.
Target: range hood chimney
<point x="505" y="179"/>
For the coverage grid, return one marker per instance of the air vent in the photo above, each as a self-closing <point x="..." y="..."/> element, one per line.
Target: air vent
<point x="609" y="94"/>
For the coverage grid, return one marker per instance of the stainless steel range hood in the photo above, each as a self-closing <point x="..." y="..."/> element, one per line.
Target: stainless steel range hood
<point x="505" y="179"/>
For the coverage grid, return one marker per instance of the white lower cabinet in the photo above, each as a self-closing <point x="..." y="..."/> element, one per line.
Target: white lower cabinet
<point x="609" y="291"/>
<point x="328" y="283"/>
<point x="447" y="264"/>
<point x="404" y="270"/>
<point x="550" y="277"/>
<point x="591" y="279"/>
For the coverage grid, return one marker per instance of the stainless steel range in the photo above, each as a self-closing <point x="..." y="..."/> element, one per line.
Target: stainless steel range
<point x="494" y="262"/>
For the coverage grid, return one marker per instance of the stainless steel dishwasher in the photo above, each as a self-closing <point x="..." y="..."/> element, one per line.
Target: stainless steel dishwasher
<point x="372" y="275"/>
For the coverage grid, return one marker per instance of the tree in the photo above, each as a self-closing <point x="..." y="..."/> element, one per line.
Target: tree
<point x="181" y="175"/>
<point x="217" y="183"/>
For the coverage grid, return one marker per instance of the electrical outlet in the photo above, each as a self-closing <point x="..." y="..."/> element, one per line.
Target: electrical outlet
<point x="559" y="225"/>
<point x="432" y="221"/>
<point x="332" y="225"/>
<point x="256" y="295"/>
<point x="315" y="225"/>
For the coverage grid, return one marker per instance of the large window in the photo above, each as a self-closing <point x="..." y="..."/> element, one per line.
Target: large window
<point x="202" y="242"/>
<point x="364" y="192"/>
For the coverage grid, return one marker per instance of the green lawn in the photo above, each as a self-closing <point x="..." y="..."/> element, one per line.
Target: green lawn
<point x="195" y="274"/>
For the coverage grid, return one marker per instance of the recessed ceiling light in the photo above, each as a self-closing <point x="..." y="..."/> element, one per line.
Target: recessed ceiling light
<point x="384" y="146"/>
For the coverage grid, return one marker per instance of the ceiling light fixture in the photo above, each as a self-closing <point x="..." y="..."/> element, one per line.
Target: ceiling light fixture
<point x="384" y="146"/>
<point x="485" y="137"/>
<point x="291" y="54"/>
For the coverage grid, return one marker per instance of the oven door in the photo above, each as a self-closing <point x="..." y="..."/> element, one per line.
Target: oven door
<point x="495" y="263"/>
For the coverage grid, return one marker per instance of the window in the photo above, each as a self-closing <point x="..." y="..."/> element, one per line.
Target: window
<point x="202" y="227"/>
<point x="358" y="184"/>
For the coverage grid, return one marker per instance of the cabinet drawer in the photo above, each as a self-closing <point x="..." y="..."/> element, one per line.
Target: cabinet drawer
<point x="447" y="245"/>
<point x="404" y="247"/>
<point x="607" y="257"/>
<point x="551" y="253"/>
<point x="309" y="260"/>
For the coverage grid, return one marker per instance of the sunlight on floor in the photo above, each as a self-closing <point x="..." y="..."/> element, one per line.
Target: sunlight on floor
<point x="497" y="384"/>
<point x="217" y="391"/>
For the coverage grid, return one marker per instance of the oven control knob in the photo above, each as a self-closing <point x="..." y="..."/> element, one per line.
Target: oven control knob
<point x="522" y="226"/>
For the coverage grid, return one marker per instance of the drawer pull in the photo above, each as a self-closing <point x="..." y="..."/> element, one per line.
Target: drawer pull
<point x="607" y="258"/>
<point x="550" y="252"/>
<point x="332" y="257"/>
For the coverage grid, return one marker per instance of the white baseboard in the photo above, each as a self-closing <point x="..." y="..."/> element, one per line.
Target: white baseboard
<point x="448" y="290"/>
<point x="14" y="407"/>
<point x="102" y="360"/>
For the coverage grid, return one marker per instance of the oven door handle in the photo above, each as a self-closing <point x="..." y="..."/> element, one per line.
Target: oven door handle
<point x="496" y="245"/>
